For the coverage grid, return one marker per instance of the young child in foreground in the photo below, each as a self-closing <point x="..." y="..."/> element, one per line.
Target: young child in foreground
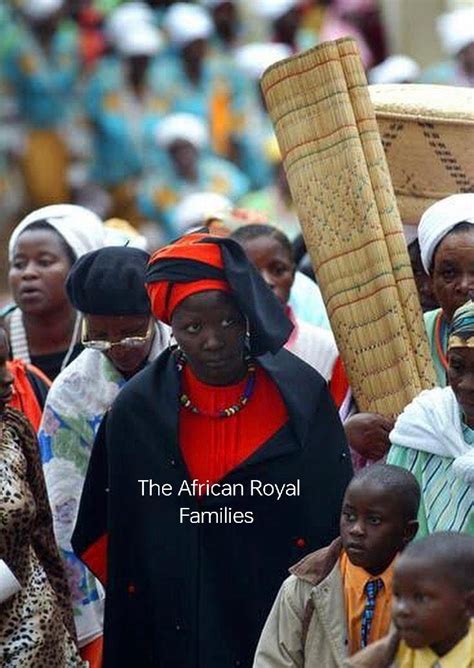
<point x="338" y="599"/>
<point x="433" y="608"/>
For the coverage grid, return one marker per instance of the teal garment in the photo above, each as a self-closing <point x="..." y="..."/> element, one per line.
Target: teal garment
<point x="445" y="73"/>
<point x="430" y="325"/>
<point x="45" y="86"/>
<point x="122" y="126"/>
<point x="446" y="501"/>
<point x="160" y="191"/>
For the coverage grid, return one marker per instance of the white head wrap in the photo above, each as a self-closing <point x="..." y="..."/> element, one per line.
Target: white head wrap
<point x="395" y="69"/>
<point x="440" y="219"/>
<point x="143" y="40"/>
<point x="274" y="9"/>
<point x="40" y="9"/>
<point x="185" y="23"/>
<point x="196" y="209"/>
<point x="181" y="126"/>
<point x="126" y="18"/>
<point x="253" y="59"/>
<point x="456" y="29"/>
<point x="80" y="228"/>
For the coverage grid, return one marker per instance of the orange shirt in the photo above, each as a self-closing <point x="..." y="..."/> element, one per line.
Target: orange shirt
<point x="354" y="580"/>
<point x="211" y="446"/>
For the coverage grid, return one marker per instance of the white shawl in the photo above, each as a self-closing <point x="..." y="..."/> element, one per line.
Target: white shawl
<point x="432" y="423"/>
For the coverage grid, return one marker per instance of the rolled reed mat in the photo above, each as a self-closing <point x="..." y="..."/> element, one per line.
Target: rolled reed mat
<point x="428" y="136"/>
<point x="318" y="133"/>
<point x="386" y="205"/>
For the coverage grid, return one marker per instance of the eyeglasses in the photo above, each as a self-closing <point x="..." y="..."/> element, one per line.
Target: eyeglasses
<point x="129" y="342"/>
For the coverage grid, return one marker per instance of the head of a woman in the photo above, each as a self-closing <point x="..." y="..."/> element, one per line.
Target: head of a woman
<point x="39" y="264"/>
<point x="461" y="359"/>
<point x="107" y="287"/>
<point x="183" y="136"/>
<point x="210" y="294"/>
<point x="446" y="238"/>
<point x="272" y="253"/>
<point x="210" y="330"/>
<point x="6" y="378"/>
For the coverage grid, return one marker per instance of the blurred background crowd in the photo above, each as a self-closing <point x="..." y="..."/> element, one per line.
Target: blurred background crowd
<point x="130" y="107"/>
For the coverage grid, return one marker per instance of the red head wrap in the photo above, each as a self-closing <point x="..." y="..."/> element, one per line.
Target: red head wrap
<point x="165" y="295"/>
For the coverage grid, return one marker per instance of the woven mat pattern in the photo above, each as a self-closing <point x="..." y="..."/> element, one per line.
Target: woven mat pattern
<point x="428" y="136"/>
<point x="338" y="175"/>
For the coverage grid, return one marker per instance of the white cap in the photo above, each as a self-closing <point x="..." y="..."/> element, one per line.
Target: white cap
<point x="395" y="69"/>
<point x="185" y="23"/>
<point x="456" y="29"/>
<point x="40" y="9"/>
<point x="124" y="19"/>
<point x="274" y="9"/>
<point x="143" y="40"/>
<point x="197" y="209"/>
<point x="439" y="219"/>
<point x="80" y="228"/>
<point x="253" y="59"/>
<point x="181" y="126"/>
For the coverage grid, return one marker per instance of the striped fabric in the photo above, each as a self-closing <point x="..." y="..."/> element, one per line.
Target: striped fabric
<point x="446" y="501"/>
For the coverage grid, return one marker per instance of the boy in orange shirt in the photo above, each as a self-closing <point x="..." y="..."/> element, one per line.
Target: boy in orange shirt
<point x="338" y="599"/>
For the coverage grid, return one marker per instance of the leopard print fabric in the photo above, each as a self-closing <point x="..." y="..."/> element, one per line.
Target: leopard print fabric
<point x="36" y="625"/>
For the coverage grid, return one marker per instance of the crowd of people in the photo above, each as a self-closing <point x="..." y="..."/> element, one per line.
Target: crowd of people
<point x="186" y="480"/>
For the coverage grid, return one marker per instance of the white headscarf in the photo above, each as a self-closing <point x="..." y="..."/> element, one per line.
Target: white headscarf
<point x="196" y="209"/>
<point x="143" y="40"/>
<point x="440" y="219"/>
<point x="185" y="23"/>
<point x="254" y="59"/>
<point x="40" y="9"/>
<point x="395" y="69"/>
<point x="80" y="228"/>
<point x="274" y="9"/>
<point x="432" y="423"/>
<point x="456" y="29"/>
<point x="125" y="18"/>
<point x="181" y="126"/>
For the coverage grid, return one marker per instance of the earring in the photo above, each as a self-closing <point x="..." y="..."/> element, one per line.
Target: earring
<point x="173" y="346"/>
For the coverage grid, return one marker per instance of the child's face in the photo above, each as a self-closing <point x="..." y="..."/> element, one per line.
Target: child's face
<point x="274" y="264"/>
<point x="427" y="609"/>
<point x="373" y="529"/>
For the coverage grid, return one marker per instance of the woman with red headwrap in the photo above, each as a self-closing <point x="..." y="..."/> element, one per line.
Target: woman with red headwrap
<point x="215" y="469"/>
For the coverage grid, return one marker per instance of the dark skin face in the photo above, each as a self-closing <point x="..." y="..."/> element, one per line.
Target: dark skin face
<point x="373" y="528"/>
<point x="184" y="156"/>
<point x="6" y="378"/>
<point x="116" y="327"/>
<point x="210" y="330"/>
<point x="226" y="21"/>
<point x="193" y="54"/>
<point x="466" y="59"/>
<point x="287" y="26"/>
<point x="423" y="283"/>
<point x="137" y="69"/>
<point x="452" y="272"/>
<point x="274" y="263"/>
<point x="428" y="609"/>
<point x="461" y="379"/>
<point x="38" y="272"/>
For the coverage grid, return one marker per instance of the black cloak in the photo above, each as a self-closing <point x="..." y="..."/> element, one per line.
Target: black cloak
<point x="182" y="595"/>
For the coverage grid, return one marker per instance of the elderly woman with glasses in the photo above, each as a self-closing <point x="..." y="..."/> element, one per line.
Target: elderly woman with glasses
<point x="120" y="338"/>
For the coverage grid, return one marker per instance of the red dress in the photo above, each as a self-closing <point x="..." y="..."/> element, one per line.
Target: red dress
<point x="212" y="447"/>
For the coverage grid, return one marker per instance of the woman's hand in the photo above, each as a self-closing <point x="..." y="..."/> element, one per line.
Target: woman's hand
<point x="367" y="434"/>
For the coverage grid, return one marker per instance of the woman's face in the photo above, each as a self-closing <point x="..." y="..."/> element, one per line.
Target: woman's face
<point x="461" y="379"/>
<point x="115" y="328"/>
<point x="184" y="156"/>
<point x="274" y="264"/>
<point x="6" y="378"/>
<point x="210" y="330"/>
<point x="38" y="272"/>
<point x="453" y="271"/>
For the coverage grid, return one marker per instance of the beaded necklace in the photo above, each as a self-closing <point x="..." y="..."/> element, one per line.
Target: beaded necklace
<point x="186" y="402"/>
